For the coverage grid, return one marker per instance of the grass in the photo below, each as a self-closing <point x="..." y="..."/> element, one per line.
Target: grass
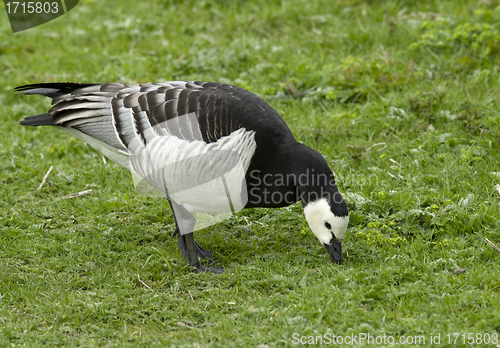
<point x="401" y="98"/>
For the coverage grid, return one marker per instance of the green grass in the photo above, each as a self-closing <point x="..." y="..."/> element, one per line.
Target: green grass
<point x="360" y="81"/>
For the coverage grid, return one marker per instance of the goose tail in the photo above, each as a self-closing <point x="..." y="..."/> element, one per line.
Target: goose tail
<point x="51" y="90"/>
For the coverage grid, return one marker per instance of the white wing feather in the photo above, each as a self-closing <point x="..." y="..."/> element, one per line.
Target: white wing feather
<point x="163" y="167"/>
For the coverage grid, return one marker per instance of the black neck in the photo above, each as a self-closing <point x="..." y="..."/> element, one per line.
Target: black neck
<point x="296" y="172"/>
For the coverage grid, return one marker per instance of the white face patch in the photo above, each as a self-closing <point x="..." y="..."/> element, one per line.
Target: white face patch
<point x="318" y="215"/>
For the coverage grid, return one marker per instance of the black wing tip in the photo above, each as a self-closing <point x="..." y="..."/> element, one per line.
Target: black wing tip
<point x="37" y="120"/>
<point x="62" y="87"/>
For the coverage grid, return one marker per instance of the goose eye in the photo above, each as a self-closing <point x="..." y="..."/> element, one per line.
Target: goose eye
<point x="327" y="225"/>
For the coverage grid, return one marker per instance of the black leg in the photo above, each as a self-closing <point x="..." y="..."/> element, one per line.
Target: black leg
<point x="187" y="246"/>
<point x="193" y="260"/>
<point x="203" y="253"/>
<point x="176" y="231"/>
<point x="181" y="243"/>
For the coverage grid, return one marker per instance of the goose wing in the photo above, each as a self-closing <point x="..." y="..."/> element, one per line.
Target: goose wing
<point x="173" y="136"/>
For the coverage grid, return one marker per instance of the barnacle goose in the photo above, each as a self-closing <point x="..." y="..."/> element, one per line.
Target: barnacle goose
<point x="178" y="137"/>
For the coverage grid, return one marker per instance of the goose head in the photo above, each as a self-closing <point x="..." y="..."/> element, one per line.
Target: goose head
<point x="327" y="225"/>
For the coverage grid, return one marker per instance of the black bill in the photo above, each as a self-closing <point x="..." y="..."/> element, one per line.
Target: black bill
<point x="335" y="250"/>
